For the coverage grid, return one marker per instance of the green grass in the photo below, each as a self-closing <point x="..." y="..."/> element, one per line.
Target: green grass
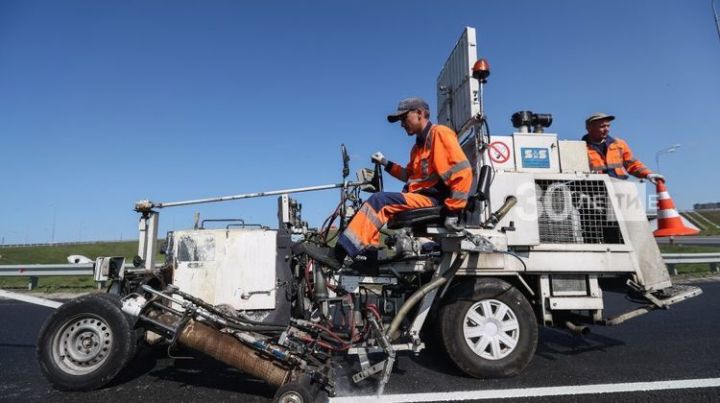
<point x="713" y="216"/>
<point x="58" y="254"/>
<point x="705" y="228"/>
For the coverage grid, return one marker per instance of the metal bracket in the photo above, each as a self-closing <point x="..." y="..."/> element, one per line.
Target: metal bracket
<point x="476" y="243"/>
<point x="370" y="371"/>
<point x="385" y="366"/>
<point x="637" y="287"/>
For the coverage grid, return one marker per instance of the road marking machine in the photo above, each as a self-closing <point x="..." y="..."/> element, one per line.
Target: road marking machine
<point x="543" y="239"/>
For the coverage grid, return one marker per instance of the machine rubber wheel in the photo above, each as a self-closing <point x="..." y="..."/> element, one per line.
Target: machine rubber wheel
<point x="492" y="333"/>
<point x="138" y="333"/>
<point x="85" y="343"/>
<point x="295" y="392"/>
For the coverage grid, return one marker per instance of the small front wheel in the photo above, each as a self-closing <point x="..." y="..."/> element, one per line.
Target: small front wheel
<point x="85" y="343"/>
<point x="295" y="392"/>
<point x="492" y="333"/>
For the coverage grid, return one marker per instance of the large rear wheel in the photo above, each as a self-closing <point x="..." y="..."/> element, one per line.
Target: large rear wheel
<point x="490" y="332"/>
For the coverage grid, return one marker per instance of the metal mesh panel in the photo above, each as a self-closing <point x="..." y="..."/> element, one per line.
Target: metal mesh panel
<point x="577" y="212"/>
<point x="568" y="285"/>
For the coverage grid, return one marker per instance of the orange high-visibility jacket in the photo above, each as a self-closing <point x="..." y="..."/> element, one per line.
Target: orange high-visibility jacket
<point x="438" y="168"/>
<point x="618" y="160"/>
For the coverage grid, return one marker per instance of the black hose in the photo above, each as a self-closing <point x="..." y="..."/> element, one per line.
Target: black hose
<point x="258" y="329"/>
<point x="242" y="322"/>
<point x="421" y="292"/>
<point x="516" y="257"/>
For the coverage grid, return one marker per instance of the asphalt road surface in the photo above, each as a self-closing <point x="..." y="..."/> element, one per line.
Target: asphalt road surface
<point x="678" y="347"/>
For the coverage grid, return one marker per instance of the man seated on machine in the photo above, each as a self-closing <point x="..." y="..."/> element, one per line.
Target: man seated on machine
<point x="438" y="174"/>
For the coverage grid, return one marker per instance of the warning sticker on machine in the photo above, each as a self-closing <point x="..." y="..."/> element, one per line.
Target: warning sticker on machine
<point x="535" y="157"/>
<point x="499" y="152"/>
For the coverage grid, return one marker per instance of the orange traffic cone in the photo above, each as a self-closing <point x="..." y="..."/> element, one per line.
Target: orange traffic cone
<point x="669" y="222"/>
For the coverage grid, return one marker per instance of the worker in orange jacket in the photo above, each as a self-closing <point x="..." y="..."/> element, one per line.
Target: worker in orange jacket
<point x="438" y="174"/>
<point x="610" y="155"/>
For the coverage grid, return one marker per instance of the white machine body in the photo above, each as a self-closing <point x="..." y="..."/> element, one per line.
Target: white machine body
<point x="234" y="267"/>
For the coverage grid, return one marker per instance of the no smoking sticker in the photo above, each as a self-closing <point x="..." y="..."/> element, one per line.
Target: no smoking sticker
<point x="499" y="152"/>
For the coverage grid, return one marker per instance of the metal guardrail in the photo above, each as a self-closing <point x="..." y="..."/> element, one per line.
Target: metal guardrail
<point x="29" y="270"/>
<point x="33" y="271"/>
<point x="673" y="259"/>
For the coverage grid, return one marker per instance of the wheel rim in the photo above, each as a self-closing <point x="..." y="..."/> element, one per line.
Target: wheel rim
<point x="491" y="329"/>
<point x="291" y="396"/>
<point x="82" y="344"/>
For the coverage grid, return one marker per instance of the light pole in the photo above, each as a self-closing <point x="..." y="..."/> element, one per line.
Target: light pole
<point x="52" y="234"/>
<point x="668" y="150"/>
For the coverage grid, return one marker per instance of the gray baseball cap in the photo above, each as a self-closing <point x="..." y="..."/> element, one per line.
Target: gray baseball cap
<point x="407" y="105"/>
<point x="599" y="116"/>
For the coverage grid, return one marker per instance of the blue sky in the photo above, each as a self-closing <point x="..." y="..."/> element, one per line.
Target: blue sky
<point x="103" y="103"/>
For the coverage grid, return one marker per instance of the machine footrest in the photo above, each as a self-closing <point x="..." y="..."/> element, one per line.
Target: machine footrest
<point x="677" y="293"/>
<point x="660" y="299"/>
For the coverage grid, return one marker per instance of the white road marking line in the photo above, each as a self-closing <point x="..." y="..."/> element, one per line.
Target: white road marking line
<point x="535" y="392"/>
<point x="29" y="298"/>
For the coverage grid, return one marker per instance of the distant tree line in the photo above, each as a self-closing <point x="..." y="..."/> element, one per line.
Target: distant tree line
<point x="706" y="206"/>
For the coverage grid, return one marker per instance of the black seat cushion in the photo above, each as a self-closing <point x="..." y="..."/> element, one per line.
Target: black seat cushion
<point x="424" y="216"/>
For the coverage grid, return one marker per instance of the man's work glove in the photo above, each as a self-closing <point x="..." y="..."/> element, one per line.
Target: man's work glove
<point x="654" y="178"/>
<point x="379" y="158"/>
<point x="452" y="220"/>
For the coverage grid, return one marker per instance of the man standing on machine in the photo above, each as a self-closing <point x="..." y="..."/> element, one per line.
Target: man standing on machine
<point x="612" y="156"/>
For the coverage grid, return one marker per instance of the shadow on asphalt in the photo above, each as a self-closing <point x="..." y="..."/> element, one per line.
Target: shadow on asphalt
<point x="554" y="342"/>
<point x="206" y="372"/>
<point x="435" y="359"/>
<point x="209" y="373"/>
<point x="192" y="370"/>
<point x="551" y="344"/>
<point x="144" y="361"/>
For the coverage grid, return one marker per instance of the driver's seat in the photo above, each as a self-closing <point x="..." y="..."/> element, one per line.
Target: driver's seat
<point x="433" y="215"/>
<point x="416" y="217"/>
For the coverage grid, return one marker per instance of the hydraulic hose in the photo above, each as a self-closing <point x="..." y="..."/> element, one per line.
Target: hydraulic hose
<point x="422" y="292"/>
<point x="411" y="302"/>
<point x="240" y="323"/>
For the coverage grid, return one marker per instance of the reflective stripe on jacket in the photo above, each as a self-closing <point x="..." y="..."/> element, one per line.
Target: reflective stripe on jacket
<point x="618" y="160"/>
<point x="364" y="229"/>
<point x="438" y="167"/>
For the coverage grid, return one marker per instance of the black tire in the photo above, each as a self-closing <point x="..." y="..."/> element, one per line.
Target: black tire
<point x="295" y="392"/>
<point x="504" y="340"/>
<point x="85" y="343"/>
<point x="138" y="333"/>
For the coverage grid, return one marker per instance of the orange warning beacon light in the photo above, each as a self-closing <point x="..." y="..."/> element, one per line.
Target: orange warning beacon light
<point x="669" y="222"/>
<point x="481" y="70"/>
